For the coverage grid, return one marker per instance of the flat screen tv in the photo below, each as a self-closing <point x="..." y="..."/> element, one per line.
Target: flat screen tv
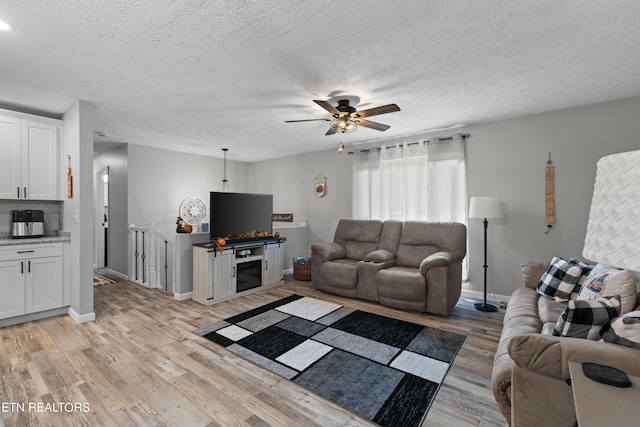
<point x="241" y="217"/>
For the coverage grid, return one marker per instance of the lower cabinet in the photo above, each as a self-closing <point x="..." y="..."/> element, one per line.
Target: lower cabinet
<point x="239" y="269"/>
<point x="223" y="273"/>
<point x="273" y="260"/>
<point x="32" y="281"/>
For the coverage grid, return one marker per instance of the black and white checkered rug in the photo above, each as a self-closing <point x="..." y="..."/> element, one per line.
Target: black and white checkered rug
<point x="383" y="369"/>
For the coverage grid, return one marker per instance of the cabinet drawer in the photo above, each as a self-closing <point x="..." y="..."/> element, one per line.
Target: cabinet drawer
<point x="38" y="250"/>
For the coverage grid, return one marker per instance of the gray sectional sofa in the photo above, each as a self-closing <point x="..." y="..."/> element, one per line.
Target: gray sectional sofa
<point x="411" y="265"/>
<point x="531" y="367"/>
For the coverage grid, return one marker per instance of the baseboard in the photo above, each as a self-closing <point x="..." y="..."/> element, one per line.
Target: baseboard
<point x="494" y="298"/>
<point x="89" y="317"/>
<point x="287" y="271"/>
<point x="183" y="297"/>
<point x="113" y="273"/>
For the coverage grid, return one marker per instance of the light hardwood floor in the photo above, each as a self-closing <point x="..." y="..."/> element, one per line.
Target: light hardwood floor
<point x="139" y="364"/>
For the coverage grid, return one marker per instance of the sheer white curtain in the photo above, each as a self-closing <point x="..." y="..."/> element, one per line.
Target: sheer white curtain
<point x="416" y="181"/>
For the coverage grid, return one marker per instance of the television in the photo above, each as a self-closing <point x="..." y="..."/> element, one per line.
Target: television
<point x="241" y="217"/>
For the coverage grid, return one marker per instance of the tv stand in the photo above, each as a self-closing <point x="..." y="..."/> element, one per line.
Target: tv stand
<point x="241" y="268"/>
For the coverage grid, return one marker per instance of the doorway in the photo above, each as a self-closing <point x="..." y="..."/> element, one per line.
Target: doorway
<point x="102" y="219"/>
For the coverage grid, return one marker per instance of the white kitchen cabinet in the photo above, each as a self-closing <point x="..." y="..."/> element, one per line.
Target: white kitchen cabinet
<point x="29" y="159"/>
<point x="12" y="289"/>
<point x="10" y="157"/>
<point x="30" y="279"/>
<point x="43" y="290"/>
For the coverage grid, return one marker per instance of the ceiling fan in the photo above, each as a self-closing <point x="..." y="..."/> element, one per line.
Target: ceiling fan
<point x="346" y="118"/>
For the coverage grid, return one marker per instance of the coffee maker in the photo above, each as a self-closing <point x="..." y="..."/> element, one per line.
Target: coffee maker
<point x="27" y="223"/>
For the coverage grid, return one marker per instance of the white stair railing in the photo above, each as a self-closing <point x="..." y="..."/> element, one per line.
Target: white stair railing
<point x="152" y="258"/>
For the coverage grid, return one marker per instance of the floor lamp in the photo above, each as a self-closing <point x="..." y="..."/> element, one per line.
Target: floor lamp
<point x="485" y="207"/>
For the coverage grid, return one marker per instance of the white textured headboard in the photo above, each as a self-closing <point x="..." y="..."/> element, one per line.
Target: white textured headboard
<point x="613" y="230"/>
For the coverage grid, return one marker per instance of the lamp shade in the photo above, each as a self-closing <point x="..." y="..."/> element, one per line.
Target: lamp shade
<point x="613" y="229"/>
<point x="485" y="207"/>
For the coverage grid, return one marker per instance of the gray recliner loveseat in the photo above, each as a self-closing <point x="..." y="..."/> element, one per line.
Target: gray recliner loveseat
<point x="410" y="265"/>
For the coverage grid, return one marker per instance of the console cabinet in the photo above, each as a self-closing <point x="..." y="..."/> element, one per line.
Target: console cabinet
<point x="238" y="270"/>
<point x="30" y="279"/>
<point x="29" y="159"/>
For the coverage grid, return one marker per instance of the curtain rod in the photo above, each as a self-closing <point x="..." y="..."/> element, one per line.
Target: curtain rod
<point x="444" y="138"/>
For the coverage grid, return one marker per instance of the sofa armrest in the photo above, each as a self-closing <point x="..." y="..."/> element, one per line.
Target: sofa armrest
<point x="438" y="259"/>
<point x="329" y="251"/>
<point x="381" y="255"/>
<point x="549" y="355"/>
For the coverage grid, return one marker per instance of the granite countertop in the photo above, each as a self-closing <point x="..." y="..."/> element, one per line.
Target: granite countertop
<point x="50" y="237"/>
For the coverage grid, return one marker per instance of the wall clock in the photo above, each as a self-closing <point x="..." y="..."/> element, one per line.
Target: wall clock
<point x="193" y="210"/>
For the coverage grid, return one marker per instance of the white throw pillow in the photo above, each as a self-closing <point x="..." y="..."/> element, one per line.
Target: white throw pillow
<point x="605" y="281"/>
<point x="625" y="330"/>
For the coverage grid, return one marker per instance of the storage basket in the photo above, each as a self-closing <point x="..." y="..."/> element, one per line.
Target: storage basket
<point x="301" y="271"/>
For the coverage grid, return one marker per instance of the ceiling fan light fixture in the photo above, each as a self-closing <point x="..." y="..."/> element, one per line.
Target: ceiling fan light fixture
<point x="343" y="124"/>
<point x="346" y="118"/>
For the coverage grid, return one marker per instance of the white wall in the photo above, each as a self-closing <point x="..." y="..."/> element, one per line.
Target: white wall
<point x="505" y="159"/>
<point x="77" y="212"/>
<point x="116" y="160"/>
<point x="508" y="159"/>
<point x="291" y="180"/>
<point x="159" y="180"/>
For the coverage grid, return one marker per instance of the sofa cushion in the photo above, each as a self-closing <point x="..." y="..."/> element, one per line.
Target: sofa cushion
<point x="563" y="279"/>
<point x="402" y="283"/>
<point x="604" y="281"/>
<point x="359" y="237"/>
<point x="421" y="239"/>
<point x="587" y="318"/>
<point x="341" y="273"/>
<point x="549" y="310"/>
<point x="625" y="330"/>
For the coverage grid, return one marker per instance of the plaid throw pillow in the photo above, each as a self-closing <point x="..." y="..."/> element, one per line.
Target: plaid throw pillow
<point x="563" y="279"/>
<point x="587" y="318"/>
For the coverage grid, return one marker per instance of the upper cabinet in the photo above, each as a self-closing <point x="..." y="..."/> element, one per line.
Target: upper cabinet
<point x="29" y="159"/>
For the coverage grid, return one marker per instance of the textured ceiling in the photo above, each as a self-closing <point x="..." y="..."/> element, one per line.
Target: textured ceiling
<point x="197" y="76"/>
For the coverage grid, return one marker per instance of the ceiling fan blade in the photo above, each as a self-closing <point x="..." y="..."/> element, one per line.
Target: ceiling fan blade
<point x="330" y="108"/>
<point x="372" y="125"/>
<point x="390" y="108"/>
<point x="331" y="131"/>
<point x="308" y="120"/>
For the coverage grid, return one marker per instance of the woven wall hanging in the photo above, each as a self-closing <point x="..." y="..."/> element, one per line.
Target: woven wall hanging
<point x="549" y="194"/>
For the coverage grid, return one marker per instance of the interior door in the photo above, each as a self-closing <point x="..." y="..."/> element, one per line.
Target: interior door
<point x="102" y="219"/>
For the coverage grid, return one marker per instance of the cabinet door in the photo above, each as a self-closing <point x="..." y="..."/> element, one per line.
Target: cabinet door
<point x="10" y="158"/>
<point x="40" y="161"/>
<point x="43" y="284"/>
<point x="12" y="288"/>
<point x="224" y="273"/>
<point x="272" y="264"/>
